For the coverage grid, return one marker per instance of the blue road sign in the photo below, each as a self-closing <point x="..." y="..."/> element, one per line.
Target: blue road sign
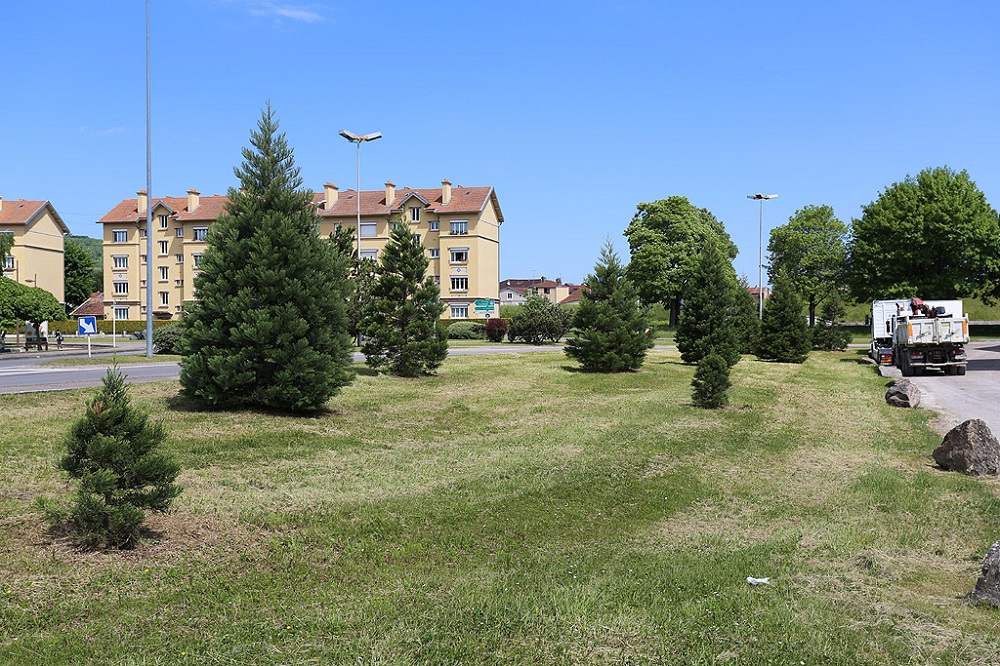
<point x="87" y="325"/>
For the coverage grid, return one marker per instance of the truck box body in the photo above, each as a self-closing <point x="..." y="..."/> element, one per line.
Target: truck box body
<point x="931" y="341"/>
<point x="883" y="322"/>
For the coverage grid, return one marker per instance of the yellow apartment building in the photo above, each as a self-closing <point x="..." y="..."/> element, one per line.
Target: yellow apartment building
<point x="459" y="226"/>
<point x="36" y="259"/>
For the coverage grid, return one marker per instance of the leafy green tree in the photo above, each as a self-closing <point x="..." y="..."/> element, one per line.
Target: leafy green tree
<point x="707" y="323"/>
<point x="6" y="242"/>
<point x="361" y="276"/>
<point x="538" y="321"/>
<point x="611" y="331"/>
<point x="270" y="327"/>
<point x="747" y="319"/>
<point x="811" y="250"/>
<point x="665" y="237"/>
<point x="32" y="304"/>
<point x="113" y="451"/>
<point x="710" y="386"/>
<point x="400" y="312"/>
<point x="80" y="272"/>
<point x="784" y="332"/>
<point x="933" y="236"/>
<point x="830" y="335"/>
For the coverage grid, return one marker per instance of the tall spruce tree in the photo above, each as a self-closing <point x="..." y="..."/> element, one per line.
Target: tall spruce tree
<point x="784" y="332"/>
<point x="611" y="332"/>
<point x="270" y="327"/>
<point x="747" y="318"/>
<point x="113" y="451"/>
<point x="401" y="310"/>
<point x="707" y="322"/>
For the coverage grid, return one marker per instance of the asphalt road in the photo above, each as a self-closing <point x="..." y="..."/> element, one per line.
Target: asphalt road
<point x="976" y="395"/>
<point x="27" y="372"/>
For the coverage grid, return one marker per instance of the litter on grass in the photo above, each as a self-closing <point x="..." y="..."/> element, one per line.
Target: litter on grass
<point x="758" y="581"/>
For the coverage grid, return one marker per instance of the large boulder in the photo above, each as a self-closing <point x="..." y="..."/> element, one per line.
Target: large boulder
<point x="970" y="448"/>
<point x="902" y="393"/>
<point x="988" y="586"/>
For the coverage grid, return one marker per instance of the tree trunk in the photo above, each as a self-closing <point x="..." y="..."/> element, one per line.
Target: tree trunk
<point x="812" y="313"/>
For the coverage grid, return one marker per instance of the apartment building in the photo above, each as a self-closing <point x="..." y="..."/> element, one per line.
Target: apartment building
<point x="36" y="259"/>
<point x="459" y="226"/>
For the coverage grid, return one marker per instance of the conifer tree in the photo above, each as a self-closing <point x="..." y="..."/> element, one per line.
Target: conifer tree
<point x="112" y="450"/>
<point x="403" y="305"/>
<point x="784" y="331"/>
<point x="707" y="320"/>
<point x="829" y="334"/>
<point x="270" y="327"/>
<point x="611" y="332"/>
<point x="710" y="386"/>
<point x="747" y="319"/>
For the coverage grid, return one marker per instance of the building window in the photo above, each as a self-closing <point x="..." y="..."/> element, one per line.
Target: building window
<point x="459" y="227"/>
<point x="416" y="239"/>
<point x="121" y="312"/>
<point x="121" y="235"/>
<point x="369" y="254"/>
<point x="437" y="279"/>
<point x="120" y="261"/>
<point x="164" y="298"/>
<point x="180" y="258"/>
<point x="121" y="287"/>
<point x="164" y="272"/>
<point x="142" y="258"/>
<point x="435" y="253"/>
<point x="460" y="311"/>
<point x="460" y="284"/>
<point x="435" y="225"/>
<point x="142" y="233"/>
<point x="180" y="232"/>
<point x="459" y="255"/>
<point x="200" y="233"/>
<point x="368" y="230"/>
<point x="196" y="258"/>
<point x="415" y="213"/>
<point x="163" y="221"/>
<point x="164" y="246"/>
<point x="8" y="261"/>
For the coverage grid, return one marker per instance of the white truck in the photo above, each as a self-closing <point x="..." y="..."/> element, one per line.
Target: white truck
<point x="935" y="335"/>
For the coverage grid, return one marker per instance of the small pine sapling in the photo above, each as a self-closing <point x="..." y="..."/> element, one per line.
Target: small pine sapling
<point x="711" y="383"/>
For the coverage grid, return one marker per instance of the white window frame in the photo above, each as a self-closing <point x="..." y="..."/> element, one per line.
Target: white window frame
<point x="459" y="283"/>
<point x="196" y="259"/>
<point x="120" y="312"/>
<point x="120" y="261"/>
<point x="369" y="230"/>
<point x="459" y="251"/>
<point x="435" y="225"/>
<point x="164" y="221"/>
<point x="142" y="232"/>
<point x="164" y="247"/>
<point x="164" y="273"/>
<point x="369" y="254"/>
<point x="180" y="232"/>
<point x="165" y="298"/>
<point x="119" y="236"/>
<point x="120" y="287"/>
<point x="459" y="227"/>
<point x="142" y="258"/>
<point x="200" y="233"/>
<point x="414" y="213"/>
<point x="435" y="252"/>
<point x="180" y="258"/>
<point x="459" y="310"/>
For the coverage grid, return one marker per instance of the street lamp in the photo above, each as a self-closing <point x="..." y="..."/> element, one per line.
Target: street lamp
<point x="760" y="248"/>
<point x="354" y="138"/>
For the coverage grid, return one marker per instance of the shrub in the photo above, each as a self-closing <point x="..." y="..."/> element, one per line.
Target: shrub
<point x="711" y="382"/>
<point x="496" y="329"/>
<point x="537" y="321"/>
<point x="112" y="451"/>
<point x="784" y="332"/>
<point x="165" y="340"/>
<point x="466" y="330"/>
<point x="828" y="334"/>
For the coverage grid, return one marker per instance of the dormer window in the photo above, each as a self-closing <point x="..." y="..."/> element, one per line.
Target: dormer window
<point x="414" y="213"/>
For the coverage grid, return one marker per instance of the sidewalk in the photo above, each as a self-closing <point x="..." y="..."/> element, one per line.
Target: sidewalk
<point x="71" y="349"/>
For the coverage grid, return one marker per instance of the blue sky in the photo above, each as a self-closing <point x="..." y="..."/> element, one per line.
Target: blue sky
<point x="574" y="112"/>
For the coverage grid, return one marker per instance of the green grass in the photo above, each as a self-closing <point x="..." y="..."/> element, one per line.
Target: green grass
<point x="105" y="359"/>
<point x="514" y="511"/>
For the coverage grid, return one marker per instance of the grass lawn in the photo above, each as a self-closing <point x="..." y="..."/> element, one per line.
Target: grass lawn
<point x="514" y="511"/>
<point x="105" y="359"/>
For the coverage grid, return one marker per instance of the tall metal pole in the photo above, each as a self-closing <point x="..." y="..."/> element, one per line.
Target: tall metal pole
<point x="760" y="262"/>
<point x="149" y="206"/>
<point x="358" y="197"/>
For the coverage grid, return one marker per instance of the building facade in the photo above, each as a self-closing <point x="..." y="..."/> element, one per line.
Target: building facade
<point x="459" y="227"/>
<point x="36" y="259"/>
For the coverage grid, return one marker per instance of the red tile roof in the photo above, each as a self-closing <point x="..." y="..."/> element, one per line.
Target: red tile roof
<point x="93" y="306"/>
<point x="22" y="211"/>
<point x="463" y="200"/>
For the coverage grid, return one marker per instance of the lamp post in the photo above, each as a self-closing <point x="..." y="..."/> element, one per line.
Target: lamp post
<point x="149" y="207"/>
<point x="354" y="138"/>
<point x="760" y="248"/>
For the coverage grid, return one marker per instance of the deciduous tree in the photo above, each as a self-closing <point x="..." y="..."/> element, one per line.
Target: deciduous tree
<point x="665" y="238"/>
<point x="270" y="326"/>
<point x="933" y="236"/>
<point x="612" y="331"/>
<point x="538" y="321"/>
<point x="80" y="271"/>
<point x="811" y="250"/>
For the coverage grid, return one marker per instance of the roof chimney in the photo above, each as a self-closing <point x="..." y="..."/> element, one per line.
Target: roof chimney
<point x="193" y="199"/>
<point x="331" y="192"/>
<point x="1" y="203"/>
<point x="445" y="192"/>
<point x="141" y="201"/>
<point x="390" y="192"/>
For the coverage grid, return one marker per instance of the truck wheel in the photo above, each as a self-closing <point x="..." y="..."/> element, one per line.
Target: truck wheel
<point x="904" y="365"/>
<point x="918" y="370"/>
<point x="960" y="369"/>
<point x="950" y="370"/>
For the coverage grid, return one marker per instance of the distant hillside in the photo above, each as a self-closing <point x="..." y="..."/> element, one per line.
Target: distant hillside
<point x="93" y="246"/>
